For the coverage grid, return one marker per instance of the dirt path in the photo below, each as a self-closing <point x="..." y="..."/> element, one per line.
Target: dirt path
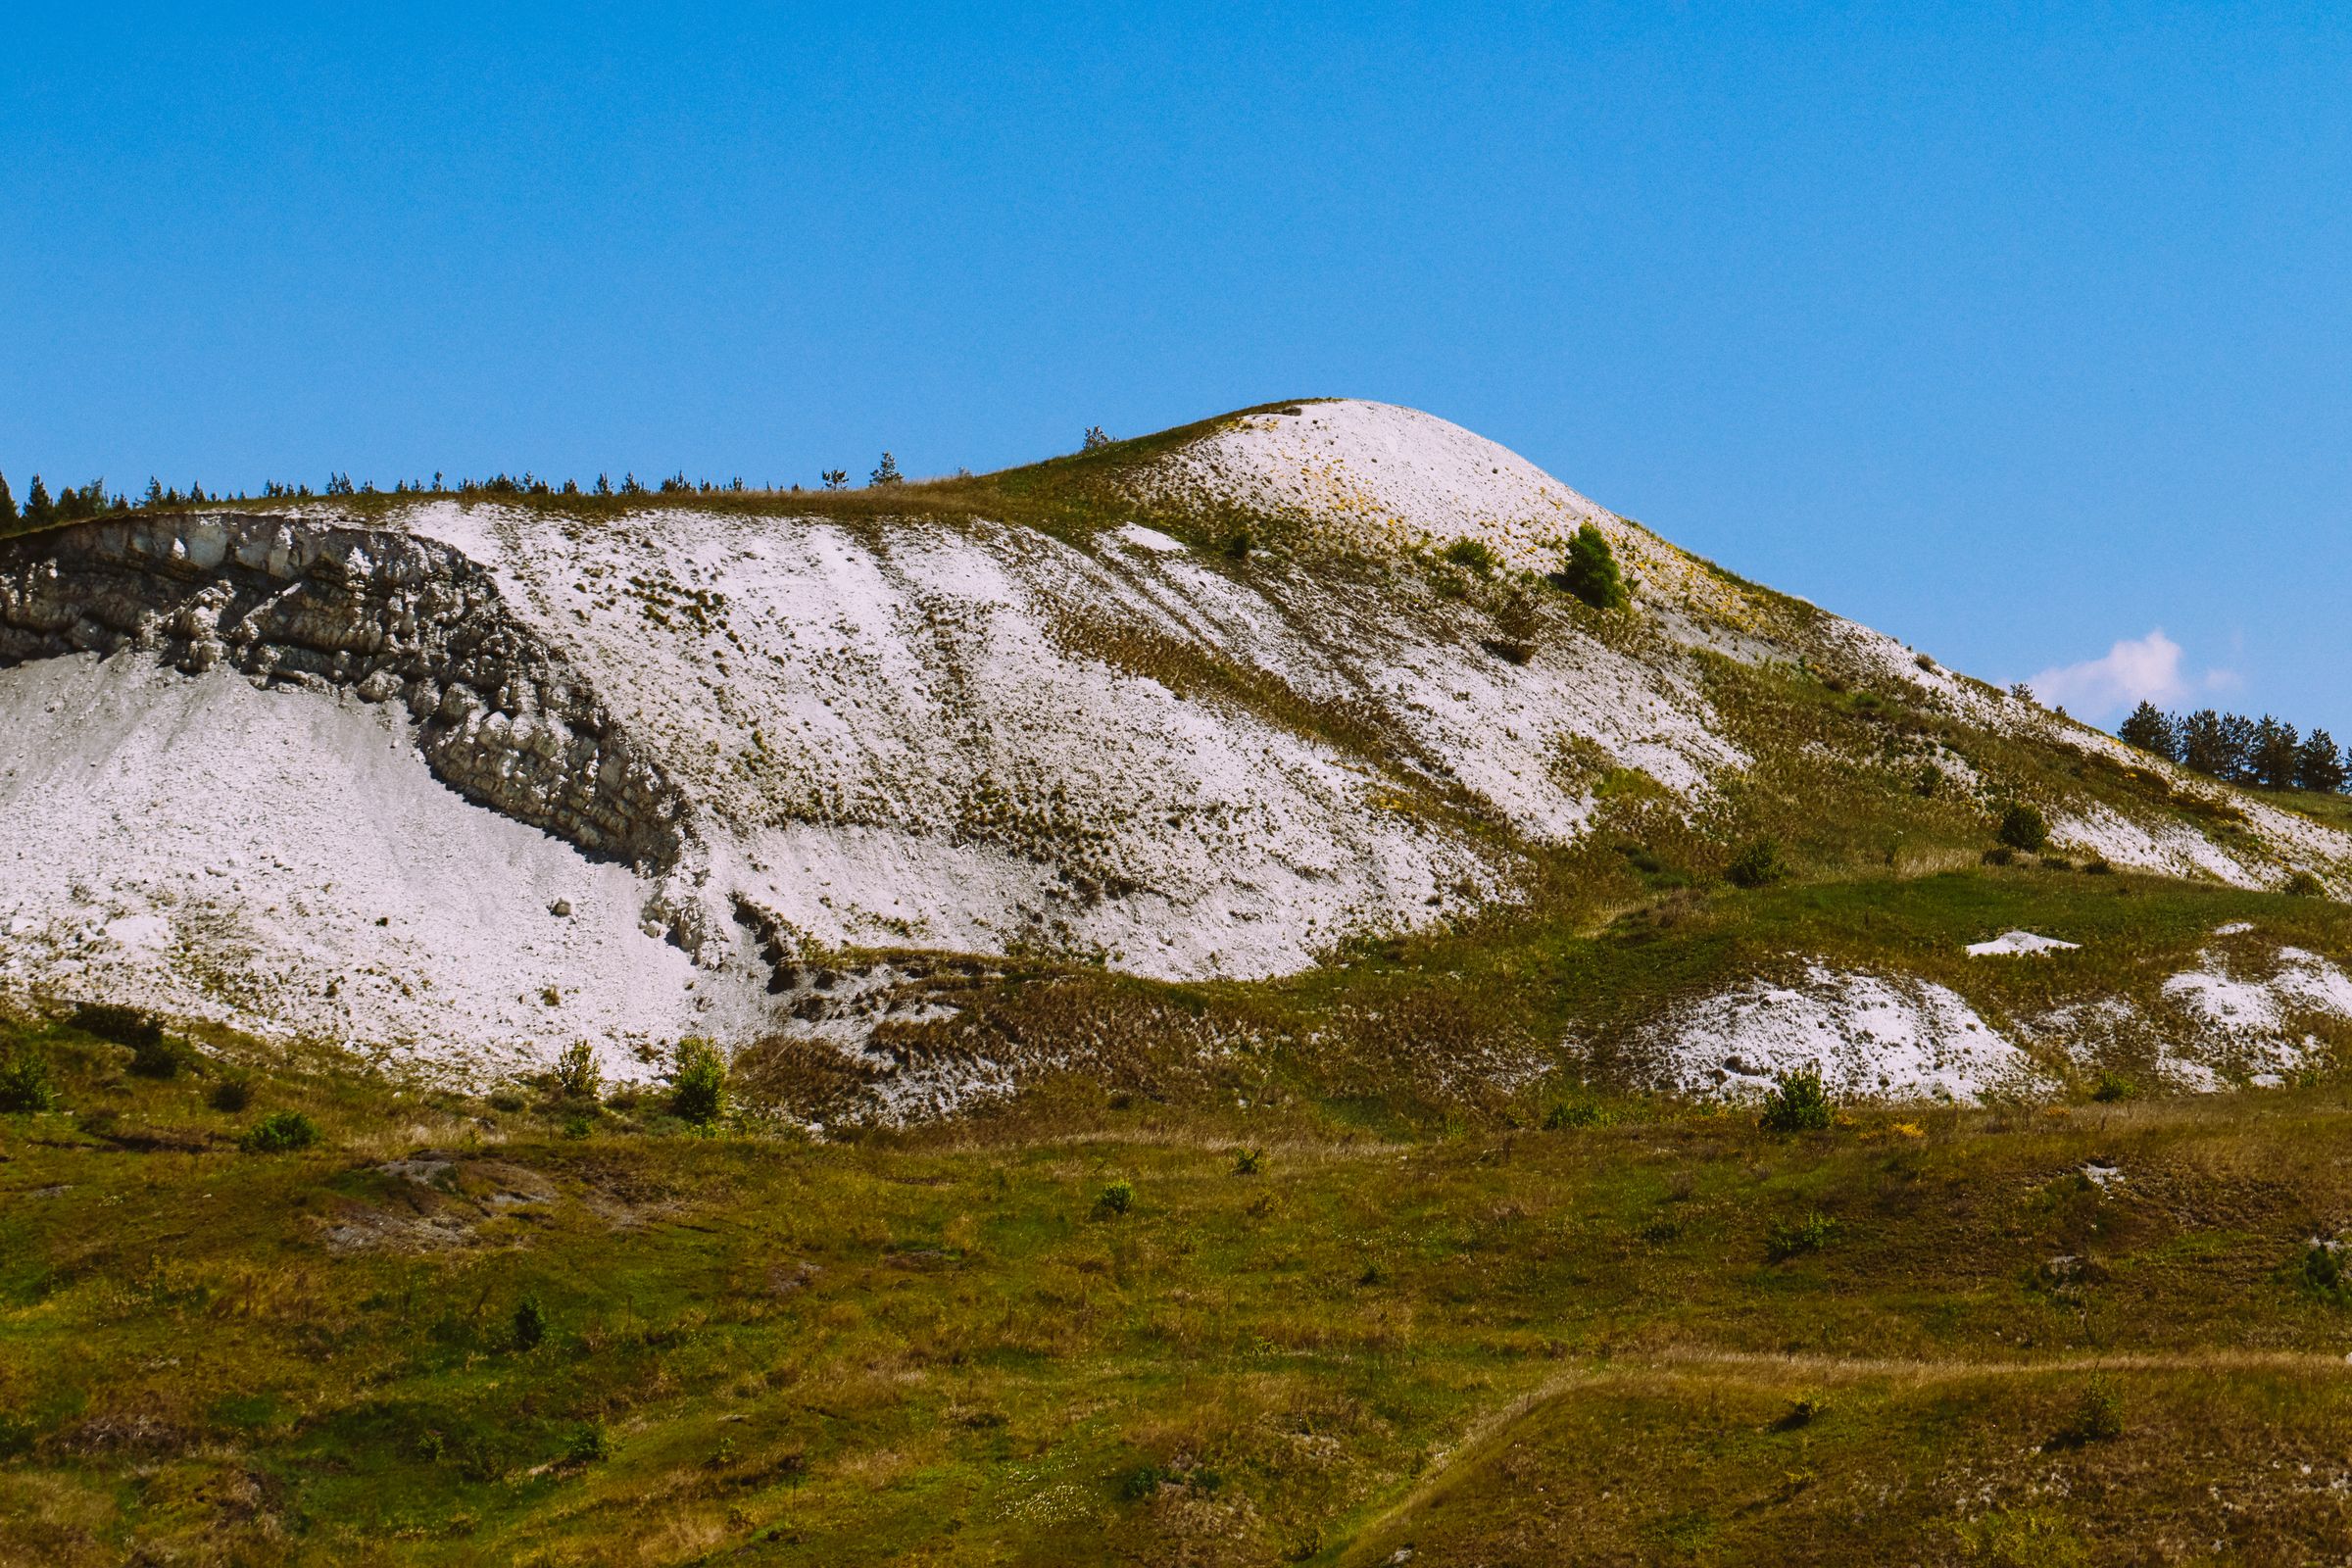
<point x="1696" y="1361"/>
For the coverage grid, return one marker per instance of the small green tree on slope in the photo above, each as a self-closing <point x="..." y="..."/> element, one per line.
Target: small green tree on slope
<point x="1591" y="571"/>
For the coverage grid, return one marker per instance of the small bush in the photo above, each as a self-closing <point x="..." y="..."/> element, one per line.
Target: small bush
<point x="2098" y="1417"/>
<point x="124" y="1026"/>
<point x="589" y="1444"/>
<point x="1238" y="544"/>
<point x="1591" y="571"/>
<point x="529" y="1324"/>
<point x="2023" y="829"/>
<point x="2056" y="863"/>
<point x="1565" y="1115"/>
<point x="156" y="1058"/>
<point x="2098" y="868"/>
<point x="577" y="1076"/>
<point x="2323" y="1272"/>
<point x="2113" y="1086"/>
<point x="1802" y="1412"/>
<point x="2303" y="885"/>
<point x="2000" y="856"/>
<point x="231" y="1095"/>
<point x="1798" y="1104"/>
<point x="1249" y="1162"/>
<point x="507" y="1099"/>
<point x="1116" y="1198"/>
<point x="1472" y="554"/>
<point x="1143" y="1481"/>
<point x="280" y="1133"/>
<point x="1787" y="1239"/>
<point x="697" y="1083"/>
<point x="1757" y="865"/>
<point x="24" y="1084"/>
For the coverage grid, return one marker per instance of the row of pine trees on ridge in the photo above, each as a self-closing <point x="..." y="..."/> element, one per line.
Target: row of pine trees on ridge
<point x="2264" y="751"/>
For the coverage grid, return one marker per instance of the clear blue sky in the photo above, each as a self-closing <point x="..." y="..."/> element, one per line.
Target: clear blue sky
<point x="2014" y="330"/>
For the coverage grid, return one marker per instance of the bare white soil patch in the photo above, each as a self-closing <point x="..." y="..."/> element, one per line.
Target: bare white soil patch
<point x="1869" y="1037"/>
<point x="2010" y="944"/>
<point x="285" y="862"/>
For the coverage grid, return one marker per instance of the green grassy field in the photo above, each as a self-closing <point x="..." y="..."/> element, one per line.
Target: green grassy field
<point x="1664" y="1335"/>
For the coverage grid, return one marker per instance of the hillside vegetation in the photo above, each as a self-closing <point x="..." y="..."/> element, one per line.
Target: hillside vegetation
<point x="1098" y="1327"/>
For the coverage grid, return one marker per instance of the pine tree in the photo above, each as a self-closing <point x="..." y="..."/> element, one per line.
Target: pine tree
<point x="2237" y="742"/>
<point x="1095" y="440"/>
<point x="2272" y="757"/>
<point x="2151" y="731"/>
<point x="2204" y="746"/>
<point x="887" y="473"/>
<point x="39" y="510"/>
<point x="1591" y="571"/>
<point x="8" y="502"/>
<point x="2319" y="765"/>
<point x="837" y="479"/>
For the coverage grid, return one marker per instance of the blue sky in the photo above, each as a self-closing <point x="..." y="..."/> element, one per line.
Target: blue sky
<point x="2018" y="332"/>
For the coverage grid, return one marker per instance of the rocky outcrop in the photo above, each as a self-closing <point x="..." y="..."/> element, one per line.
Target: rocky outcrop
<point x="386" y="616"/>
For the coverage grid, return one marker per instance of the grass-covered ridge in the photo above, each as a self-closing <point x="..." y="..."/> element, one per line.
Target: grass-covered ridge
<point x="1095" y="1327"/>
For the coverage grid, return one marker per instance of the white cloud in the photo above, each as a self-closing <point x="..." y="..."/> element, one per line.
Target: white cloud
<point x="2145" y="670"/>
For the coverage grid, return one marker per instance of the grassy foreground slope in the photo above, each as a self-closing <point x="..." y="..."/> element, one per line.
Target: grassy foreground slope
<point x="1088" y="1327"/>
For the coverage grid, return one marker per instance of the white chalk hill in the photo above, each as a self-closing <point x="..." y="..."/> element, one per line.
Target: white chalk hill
<point x="465" y="782"/>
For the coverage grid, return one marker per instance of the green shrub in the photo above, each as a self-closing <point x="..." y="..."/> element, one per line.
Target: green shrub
<point x="124" y="1026"/>
<point x="1563" y="1115"/>
<point x="1757" y="865"/>
<point x="156" y="1058"/>
<point x="25" y="1082"/>
<point x="1787" y="1239"/>
<point x="698" y="1080"/>
<point x="1472" y="554"/>
<point x="2098" y="1417"/>
<point x="231" y="1095"/>
<point x="278" y="1133"/>
<point x="1238" y="544"/>
<point x="1249" y="1162"/>
<point x="1999" y="855"/>
<point x="2113" y="1086"/>
<point x="1591" y="571"/>
<point x="589" y="1444"/>
<point x="507" y="1099"/>
<point x="1802" y="1412"/>
<point x="577" y="1076"/>
<point x="2323" y="1272"/>
<point x="2023" y="829"/>
<point x="1116" y="1198"/>
<point x="1143" y="1481"/>
<point x="2098" y="867"/>
<point x="1798" y="1104"/>
<point x="2304" y="885"/>
<point x="529" y="1324"/>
